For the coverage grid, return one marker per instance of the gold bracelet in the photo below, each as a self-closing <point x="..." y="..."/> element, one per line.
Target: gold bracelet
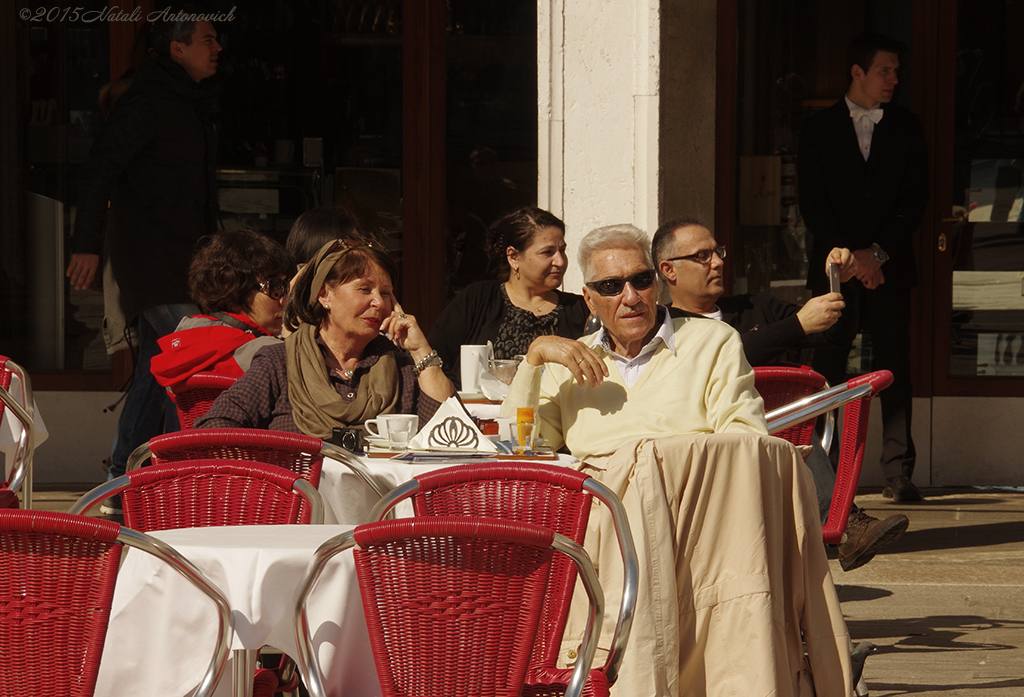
<point x="431" y="359"/>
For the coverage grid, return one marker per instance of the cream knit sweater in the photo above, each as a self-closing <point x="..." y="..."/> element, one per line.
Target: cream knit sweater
<point x="706" y="386"/>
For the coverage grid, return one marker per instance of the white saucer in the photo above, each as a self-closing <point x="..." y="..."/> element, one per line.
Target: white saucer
<point x="385" y="444"/>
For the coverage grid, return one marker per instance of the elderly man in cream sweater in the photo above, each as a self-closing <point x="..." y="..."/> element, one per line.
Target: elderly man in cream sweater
<point x="735" y="593"/>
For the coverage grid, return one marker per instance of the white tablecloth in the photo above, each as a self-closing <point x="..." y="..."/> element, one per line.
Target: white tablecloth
<point x="162" y="630"/>
<point x="10" y="428"/>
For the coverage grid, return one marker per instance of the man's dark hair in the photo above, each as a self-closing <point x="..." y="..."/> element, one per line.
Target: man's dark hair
<point x="665" y="236"/>
<point x="318" y="226"/>
<point x="163" y="32"/>
<point x="517" y="230"/>
<point x="863" y="49"/>
<point x="225" y="271"/>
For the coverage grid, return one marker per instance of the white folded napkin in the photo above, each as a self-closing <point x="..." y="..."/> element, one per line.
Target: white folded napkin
<point x="451" y="428"/>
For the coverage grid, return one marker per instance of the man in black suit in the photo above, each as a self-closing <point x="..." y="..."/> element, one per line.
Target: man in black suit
<point x="862" y="171"/>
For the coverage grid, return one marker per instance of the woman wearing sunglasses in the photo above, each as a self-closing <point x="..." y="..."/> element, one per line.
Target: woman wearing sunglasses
<point x="528" y="249"/>
<point x="352" y="353"/>
<point x="239" y="279"/>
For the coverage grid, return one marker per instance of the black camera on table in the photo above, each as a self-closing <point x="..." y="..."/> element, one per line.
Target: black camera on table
<point x="353" y="439"/>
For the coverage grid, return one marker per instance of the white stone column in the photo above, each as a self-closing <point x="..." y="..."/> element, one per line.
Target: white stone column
<point x="598" y="78"/>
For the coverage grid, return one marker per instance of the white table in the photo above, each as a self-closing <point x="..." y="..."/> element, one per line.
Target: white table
<point x="162" y="630"/>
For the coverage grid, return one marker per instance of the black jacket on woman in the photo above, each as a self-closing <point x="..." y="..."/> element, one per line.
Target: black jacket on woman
<point x="475" y="315"/>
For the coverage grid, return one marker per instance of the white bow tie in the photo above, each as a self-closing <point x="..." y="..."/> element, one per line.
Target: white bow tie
<point x="875" y="114"/>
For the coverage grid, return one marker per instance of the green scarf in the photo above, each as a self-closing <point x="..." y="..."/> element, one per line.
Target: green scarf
<point x="316" y="406"/>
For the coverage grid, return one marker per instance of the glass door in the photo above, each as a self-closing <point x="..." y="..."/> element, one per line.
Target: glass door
<point x="978" y="240"/>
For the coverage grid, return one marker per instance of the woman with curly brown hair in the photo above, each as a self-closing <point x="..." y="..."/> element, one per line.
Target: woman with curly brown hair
<point x="524" y="302"/>
<point x="239" y="279"/>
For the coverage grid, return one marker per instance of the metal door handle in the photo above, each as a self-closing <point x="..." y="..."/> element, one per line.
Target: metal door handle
<point x="942" y="242"/>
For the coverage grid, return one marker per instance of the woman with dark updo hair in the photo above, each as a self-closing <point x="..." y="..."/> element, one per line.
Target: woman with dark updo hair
<point x="524" y="302"/>
<point x="239" y="279"/>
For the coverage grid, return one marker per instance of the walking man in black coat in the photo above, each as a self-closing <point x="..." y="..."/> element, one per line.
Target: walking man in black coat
<point x="154" y="163"/>
<point x="862" y="172"/>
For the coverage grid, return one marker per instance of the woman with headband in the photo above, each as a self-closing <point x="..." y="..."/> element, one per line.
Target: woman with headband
<point x="528" y="247"/>
<point x="352" y="354"/>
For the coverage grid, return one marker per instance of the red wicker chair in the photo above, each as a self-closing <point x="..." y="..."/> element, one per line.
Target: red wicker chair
<point x="856" y="395"/>
<point x="55" y="595"/>
<point x="205" y="493"/>
<point x="193" y="397"/>
<point x="783" y="385"/>
<point x="555" y="497"/>
<point x="300" y="453"/>
<point x="23" y="410"/>
<point x="453" y="604"/>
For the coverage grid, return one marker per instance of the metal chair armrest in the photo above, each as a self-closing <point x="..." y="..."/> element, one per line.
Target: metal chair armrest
<point x="315" y="500"/>
<point x="630" y="575"/>
<point x="21" y="468"/>
<point x="99" y="493"/>
<point x="352" y="462"/>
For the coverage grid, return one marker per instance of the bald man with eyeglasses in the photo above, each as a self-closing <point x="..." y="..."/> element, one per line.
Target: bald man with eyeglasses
<point x="663" y="411"/>
<point x="691" y="263"/>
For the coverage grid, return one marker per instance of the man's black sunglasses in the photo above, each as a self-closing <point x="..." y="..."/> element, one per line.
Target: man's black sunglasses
<point x="641" y="280"/>
<point x="276" y="287"/>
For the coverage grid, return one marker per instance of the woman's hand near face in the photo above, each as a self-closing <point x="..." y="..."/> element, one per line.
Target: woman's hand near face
<point x="405" y="332"/>
<point x="581" y="360"/>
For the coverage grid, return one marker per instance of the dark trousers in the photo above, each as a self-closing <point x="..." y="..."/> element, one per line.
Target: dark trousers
<point x="886" y="313"/>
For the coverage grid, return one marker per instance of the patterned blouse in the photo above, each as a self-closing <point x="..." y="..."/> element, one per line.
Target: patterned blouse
<point x="520" y="328"/>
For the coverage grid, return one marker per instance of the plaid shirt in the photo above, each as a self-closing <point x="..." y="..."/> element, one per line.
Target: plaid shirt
<point x="259" y="399"/>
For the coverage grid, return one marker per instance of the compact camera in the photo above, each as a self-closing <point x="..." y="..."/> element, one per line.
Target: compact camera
<point x="353" y="439"/>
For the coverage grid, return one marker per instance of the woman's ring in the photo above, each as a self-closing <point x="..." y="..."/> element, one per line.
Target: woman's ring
<point x="401" y="316"/>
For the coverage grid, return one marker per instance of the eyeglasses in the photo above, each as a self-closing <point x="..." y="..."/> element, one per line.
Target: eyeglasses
<point x="641" y="280"/>
<point x="276" y="287"/>
<point x="704" y="256"/>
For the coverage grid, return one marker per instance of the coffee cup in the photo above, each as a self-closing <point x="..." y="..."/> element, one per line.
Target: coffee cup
<point x="387" y="426"/>
<point x="473" y="362"/>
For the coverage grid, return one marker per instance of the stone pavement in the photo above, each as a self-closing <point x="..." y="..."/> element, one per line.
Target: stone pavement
<point x="944" y="604"/>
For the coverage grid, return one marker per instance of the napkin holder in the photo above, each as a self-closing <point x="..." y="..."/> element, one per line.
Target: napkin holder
<point x="452" y="428"/>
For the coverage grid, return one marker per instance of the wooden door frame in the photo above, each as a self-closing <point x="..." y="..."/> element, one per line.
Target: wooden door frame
<point x="938" y="72"/>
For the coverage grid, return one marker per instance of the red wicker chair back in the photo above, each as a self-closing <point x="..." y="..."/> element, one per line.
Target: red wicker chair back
<point x="530" y="492"/>
<point x="782" y="385"/>
<point x="193" y="397"/>
<point x="205" y="493"/>
<point x="55" y="596"/>
<point x="851" y="454"/>
<point x="293" y="451"/>
<point x="452" y="604"/>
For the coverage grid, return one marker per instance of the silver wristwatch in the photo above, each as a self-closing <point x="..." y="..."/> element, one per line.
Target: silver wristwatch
<point x="879" y="254"/>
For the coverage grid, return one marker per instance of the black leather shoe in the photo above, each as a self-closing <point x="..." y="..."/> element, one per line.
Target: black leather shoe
<point x="902" y="490"/>
<point x="865" y="535"/>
